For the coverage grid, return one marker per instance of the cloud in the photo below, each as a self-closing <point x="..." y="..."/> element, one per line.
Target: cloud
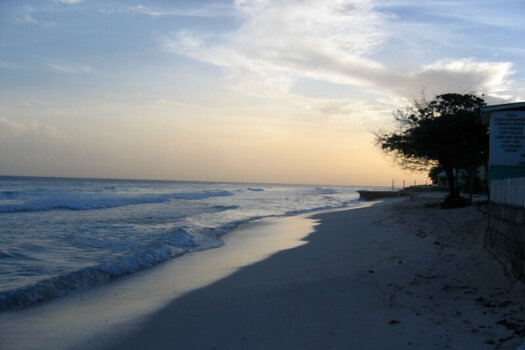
<point x="448" y="75"/>
<point x="70" y="68"/>
<point x="67" y="1"/>
<point x="10" y="129"/>
<point x="147" y="11"/>
<point x="473" y="12"/>
<point x="278" y="42"/>
<point x="28" y="19"/>
<point x="491" y="78"/>
<point x="30" y="147"/>
<point x="171" y="102"/>
<point x="210" y="10"/>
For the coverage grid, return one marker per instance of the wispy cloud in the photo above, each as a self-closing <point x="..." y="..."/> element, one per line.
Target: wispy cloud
<point x="70" y="68"/>
<point x="147" y="11"/>
<point x="67" y="1"/>
<point x="14" y="129"/>
<point x="472" y="11"/>
<point x="209" y="10"/>
<point x="279" y="42"/>
<point x="171" y="102"/>
<point x="31" y="145"/>
<point x="492" y="78"/>
<point x="28" y="19"/>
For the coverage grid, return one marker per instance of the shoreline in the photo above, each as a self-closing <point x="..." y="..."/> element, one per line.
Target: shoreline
<point x="46" y="290"/>
<point x="113" y="307"/>
<point x="394" y="276"/>
<point x="337" y="282"/>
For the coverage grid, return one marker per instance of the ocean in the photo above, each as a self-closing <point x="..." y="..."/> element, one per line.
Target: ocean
<point x="58" y="235"/>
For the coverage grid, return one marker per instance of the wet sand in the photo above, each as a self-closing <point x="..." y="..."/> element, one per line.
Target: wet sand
<point x="397" y="275"/>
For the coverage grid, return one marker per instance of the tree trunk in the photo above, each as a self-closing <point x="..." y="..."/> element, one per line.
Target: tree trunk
<point x="453" y="200"/>
<point x="449" y="171"/>
<point x="471" y="176"/>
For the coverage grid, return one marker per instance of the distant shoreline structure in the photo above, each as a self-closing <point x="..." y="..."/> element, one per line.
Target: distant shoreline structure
<point x="370" y="195"/>
<point x="373" y="195"/>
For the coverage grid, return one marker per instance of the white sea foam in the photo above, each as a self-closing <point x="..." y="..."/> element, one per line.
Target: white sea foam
<point x="61" y="235"/>
<point x="40" y="200"/>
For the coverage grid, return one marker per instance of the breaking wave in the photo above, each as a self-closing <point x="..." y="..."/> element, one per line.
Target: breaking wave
<point x="11" y="201"/>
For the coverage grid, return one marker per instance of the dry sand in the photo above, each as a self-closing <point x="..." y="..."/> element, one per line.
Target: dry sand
<point x="399" y="275"/>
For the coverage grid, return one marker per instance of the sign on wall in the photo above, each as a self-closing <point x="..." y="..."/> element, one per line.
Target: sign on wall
<point x="507" y="138"/>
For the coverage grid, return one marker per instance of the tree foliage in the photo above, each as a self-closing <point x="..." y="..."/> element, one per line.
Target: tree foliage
<point x="444" y="132"/>
<point x="433" y="174"/>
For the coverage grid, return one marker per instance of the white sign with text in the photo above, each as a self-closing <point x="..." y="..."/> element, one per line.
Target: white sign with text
<point x="507" y="138"/>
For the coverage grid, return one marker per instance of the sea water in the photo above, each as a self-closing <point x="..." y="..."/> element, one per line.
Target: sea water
<point x="58" y="235"/>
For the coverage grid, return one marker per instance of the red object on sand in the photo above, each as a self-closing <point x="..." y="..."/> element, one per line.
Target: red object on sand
<point x="394" y="322"/>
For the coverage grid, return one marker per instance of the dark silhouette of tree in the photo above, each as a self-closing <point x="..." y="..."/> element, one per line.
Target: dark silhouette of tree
<point x="444" y="132"/>
<point x="433" y="174"/>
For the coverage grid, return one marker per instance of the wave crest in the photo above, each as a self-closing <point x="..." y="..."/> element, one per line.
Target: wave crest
<point x="26" y="201"/>
<point x="88" y="277"/>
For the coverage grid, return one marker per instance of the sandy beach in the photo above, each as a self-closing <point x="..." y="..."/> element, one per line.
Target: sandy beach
<point x="262" y="174"/>
<point x="361" y="272"/>
<point x="402" y="274"/>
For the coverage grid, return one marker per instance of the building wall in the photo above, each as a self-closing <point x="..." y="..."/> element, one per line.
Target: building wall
<point x="498" y="172"/>
<point x="506" y="233"/>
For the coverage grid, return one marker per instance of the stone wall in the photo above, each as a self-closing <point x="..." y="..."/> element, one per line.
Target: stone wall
<point x="506" y="233"/>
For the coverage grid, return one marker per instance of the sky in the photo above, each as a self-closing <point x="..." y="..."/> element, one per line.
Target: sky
<point x="278" y="91"/>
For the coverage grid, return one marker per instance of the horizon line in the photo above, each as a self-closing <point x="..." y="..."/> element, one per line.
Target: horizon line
<point x="194" y="181"/>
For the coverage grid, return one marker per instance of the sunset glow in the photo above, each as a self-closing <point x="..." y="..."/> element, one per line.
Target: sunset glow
<point x="245" y="90"/>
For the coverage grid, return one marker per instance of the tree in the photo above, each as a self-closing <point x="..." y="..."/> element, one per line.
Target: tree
<point x="433" y="174"/>
<point x="444" y="132"/>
